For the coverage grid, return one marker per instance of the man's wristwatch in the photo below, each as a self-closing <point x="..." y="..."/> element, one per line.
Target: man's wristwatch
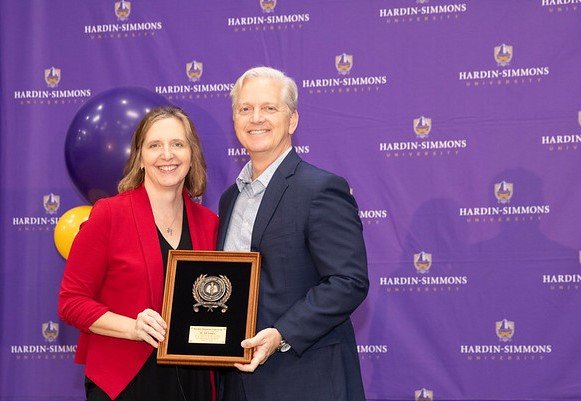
<point x="283" y="346"/>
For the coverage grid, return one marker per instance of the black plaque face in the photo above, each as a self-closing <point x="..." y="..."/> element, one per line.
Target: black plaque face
<point x="210" y="303"/>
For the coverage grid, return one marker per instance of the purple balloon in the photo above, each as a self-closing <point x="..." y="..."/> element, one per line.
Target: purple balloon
<point x="99" y="138"/>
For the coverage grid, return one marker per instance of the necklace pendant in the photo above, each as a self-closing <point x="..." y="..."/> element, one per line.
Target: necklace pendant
<point x="169" y="230"/>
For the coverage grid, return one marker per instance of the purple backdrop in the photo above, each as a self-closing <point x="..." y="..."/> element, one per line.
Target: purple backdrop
<point x="457" y="124"/>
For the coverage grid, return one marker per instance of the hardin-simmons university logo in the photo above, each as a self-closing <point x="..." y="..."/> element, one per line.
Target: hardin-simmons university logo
<point x="422" y="262"/>
<point x="344" y="63"/>
<point x="52" y="76"/>
<point x="422" y="126"/>
<point x="122" y="10"/>
<point x="51" y="203"/>
<point x="503" y="55"/>
<point x="503" y="192"/>
<point x="194" y="70"/>
<point x="423" y="394"/>
<point x="267" y="5"/>
<point x="504" y="330"/>
<point x="50" y="331"/>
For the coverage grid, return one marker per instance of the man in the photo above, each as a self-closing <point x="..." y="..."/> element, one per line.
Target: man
<point x="305" y="224"/>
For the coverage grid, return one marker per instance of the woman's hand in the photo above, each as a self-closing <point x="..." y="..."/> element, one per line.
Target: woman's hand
<point x="149" y="327"/>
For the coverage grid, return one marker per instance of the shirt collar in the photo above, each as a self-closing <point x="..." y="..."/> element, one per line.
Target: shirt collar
<point x="245" y="176"/>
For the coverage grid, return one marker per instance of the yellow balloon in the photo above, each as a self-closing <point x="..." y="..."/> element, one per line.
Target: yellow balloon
<point x="67" y="228"/>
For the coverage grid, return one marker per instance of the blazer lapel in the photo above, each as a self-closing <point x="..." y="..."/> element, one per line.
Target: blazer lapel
<point x="195" y="232"/>
<point x="225" y="213"/>
<point x="272" y="196"/>
<point x="153" y="262"/>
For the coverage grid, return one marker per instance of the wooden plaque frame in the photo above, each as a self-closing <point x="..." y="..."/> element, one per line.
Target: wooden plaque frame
<point x="237" y="321"/>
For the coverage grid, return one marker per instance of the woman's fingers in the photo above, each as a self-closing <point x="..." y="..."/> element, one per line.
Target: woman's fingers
<point x="150" y="327"/>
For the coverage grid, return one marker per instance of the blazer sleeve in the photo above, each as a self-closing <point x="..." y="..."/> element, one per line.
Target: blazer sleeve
<point x="85" y="270"/>
<point x="335" y="242"/>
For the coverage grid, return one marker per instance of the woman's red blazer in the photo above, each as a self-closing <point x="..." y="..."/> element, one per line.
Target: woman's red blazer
<point x="115" y="264"/>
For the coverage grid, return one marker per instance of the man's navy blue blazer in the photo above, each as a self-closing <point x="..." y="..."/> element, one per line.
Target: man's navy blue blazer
<point x="313" y="276"/>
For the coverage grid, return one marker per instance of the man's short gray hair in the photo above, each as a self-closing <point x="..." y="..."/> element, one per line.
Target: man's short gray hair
<point x="290" y="93"/>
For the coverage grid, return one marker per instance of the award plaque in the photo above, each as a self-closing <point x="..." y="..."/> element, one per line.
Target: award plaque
<point x="209" y="304"/>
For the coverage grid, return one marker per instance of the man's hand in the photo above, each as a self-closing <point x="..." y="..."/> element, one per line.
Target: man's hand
<point x="264" y="344"/>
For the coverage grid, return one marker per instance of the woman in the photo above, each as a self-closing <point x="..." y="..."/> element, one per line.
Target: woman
<point x="112" y="288"/>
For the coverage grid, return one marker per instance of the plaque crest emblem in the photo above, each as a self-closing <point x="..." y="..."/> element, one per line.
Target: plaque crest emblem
<point x="51" y="203"/>
<point x="424" y="395"/>
<point x="50" y="331"/>
<point x="194" y="70"/>
<point x="579" y="117"/>
<point x="122" y="10"/>
<point x="503" y="54"/>
<point x="422" y="262"/>
<point x="505" y="330"/>
<point x="344" y="63"/>
<point x="211" y="292"/>
<point x="52" y="77"/>
<point x="268" y="5"/>
<point x="422" y="126"/>
<point x="503" y="192"/>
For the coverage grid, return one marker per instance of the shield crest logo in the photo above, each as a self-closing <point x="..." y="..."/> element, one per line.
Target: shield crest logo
<point x="344" y="63"/>
<point x="424" y="395"/>
<point x="579" y="117"/>
<point x="194" y="70"/>
<point x="52" y="76"/>
<point x="422" y="262"/>
<point x="267" y="5"/>
<point x="51" y="203"/>
<point x="503" y="54"/>
<point x="422" y="126"/>
<point x="504" y="330"/>
<point x="122" y="10"/>
<point x="50" y="331"/>
<point x="503" y="191"/>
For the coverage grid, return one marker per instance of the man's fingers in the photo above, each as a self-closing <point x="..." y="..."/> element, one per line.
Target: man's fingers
<point x="248" y="367"/>
<point x="249" y="343"/>
<point x="264" y="343"/>
<point x="260" y="356"/>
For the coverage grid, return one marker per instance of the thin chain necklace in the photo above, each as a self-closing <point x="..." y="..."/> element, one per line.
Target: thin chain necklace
<point x="169" y="228"/>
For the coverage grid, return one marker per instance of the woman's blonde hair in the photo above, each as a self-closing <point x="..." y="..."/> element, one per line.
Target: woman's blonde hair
<point x="133" y="175"/>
